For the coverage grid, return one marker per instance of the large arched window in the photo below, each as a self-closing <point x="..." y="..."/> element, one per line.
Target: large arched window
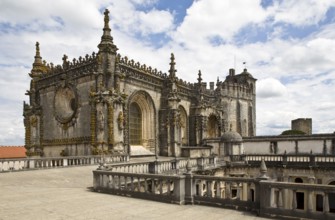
<point x="135" y="124"/>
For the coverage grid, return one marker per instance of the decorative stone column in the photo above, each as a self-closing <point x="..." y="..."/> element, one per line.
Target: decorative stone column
<point x="310" y="194"/>
<point x="189" y="185"/>
<point x="173" y="117"/>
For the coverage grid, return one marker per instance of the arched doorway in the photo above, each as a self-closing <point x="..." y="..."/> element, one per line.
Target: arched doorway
<point x="300" y="196"/>
<point x="141" y="121"/>
<point x="212" y="126"/>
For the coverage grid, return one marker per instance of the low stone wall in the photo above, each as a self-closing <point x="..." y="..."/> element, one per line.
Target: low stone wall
<point x="172" y="166"/>
<point x="229" y="192"/>
<point x="162" y="188"/>
<point x="264" y="197"/>
<point x="280" y="200"/>
<point x="195" y="152"/>
<point x="52" y="162"/>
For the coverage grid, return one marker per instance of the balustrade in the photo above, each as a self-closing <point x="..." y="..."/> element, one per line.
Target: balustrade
<point x="155" y="187"/>
<point x="285" y="159"/>
<point x="142" y="167"/>
<point x="281" y="192"/>
<point x="51" y="162"/>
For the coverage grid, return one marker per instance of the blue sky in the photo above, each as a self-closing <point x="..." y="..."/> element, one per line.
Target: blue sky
<point x="288" y="45"/>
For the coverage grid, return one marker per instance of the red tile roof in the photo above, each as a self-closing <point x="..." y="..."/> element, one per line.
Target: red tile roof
<point x="8" y="152"/>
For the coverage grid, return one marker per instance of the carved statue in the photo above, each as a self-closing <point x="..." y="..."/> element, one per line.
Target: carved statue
<point x="101" y="118"/>
<point x="33" y="121"/>
<point x="99" y="59"/>
<point x="120" y="120"/>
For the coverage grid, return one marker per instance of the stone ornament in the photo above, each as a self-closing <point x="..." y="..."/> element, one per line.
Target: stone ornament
<point x="65" y="105"/>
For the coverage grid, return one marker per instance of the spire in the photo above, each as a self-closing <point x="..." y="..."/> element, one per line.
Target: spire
<point x="199" y="77"/>
<point x="38" y="66"/>
<point x="172" y="70"/>
<point x="106" y="43"/>
<point x="38" y="58"/>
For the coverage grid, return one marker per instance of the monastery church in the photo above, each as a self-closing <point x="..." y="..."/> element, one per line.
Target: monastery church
<point x="108" y="103"/>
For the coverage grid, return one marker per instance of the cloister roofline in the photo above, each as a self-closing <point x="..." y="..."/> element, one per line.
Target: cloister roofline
<point x="290" y="137"/>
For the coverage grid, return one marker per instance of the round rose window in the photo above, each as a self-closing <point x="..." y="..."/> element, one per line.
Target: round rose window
<point x="65" y="104"/>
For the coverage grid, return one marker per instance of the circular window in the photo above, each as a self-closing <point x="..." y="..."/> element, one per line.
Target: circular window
<point x="65" y="104"/>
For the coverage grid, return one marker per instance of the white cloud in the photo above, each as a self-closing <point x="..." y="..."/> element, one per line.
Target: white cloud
<point x="294" y="75"/>
<point x="300" y="12"/>
<point x="211" y="18"/>
<point x="131" y="21"/>
<point x="155" y="21"/>
<point x="270" y="88"/>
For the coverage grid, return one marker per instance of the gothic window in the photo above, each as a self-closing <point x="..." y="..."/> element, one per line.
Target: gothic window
<point x="135" y="124"/>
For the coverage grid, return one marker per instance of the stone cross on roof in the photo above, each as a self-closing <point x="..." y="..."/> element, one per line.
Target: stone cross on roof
<point x="106" y="19"/>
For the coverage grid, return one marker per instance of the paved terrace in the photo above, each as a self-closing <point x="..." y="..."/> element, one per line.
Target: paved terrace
<point x="64" y="193"/>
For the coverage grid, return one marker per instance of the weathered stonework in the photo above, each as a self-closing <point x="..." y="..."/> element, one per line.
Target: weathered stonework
<point x="107" y="102"/>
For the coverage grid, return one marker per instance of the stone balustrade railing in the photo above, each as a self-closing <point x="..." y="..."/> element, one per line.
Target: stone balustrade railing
<point x="141" y="167"/>
<point x="287" y="160"/>
<point x="172" y="166"/>
<point x="281" y="199"/>
<point x="51" y="162"/>
<point x="266" y="198"/>
<point x="232" y="192"/>
<point x="165" y="188"/>
<point x="228" y="192"/>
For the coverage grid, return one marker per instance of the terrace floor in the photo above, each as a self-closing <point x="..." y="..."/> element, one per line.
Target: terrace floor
<point x="64" y="193"/>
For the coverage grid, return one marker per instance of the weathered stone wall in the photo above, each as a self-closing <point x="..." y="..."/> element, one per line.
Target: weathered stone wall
<point x="302" y="124"/>
<point x="305" y="144"/>
<point x="58" y="136"/>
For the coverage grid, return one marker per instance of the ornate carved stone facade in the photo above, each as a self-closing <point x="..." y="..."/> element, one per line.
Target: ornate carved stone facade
<point x="108" y="102"/>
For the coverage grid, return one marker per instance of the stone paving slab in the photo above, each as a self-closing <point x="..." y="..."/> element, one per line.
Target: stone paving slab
<point x="64" y="193"/>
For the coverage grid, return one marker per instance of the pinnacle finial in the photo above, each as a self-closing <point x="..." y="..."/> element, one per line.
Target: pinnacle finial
<point x="172" y="57"/>
<point x="38" y="49"/>
<point x="263" y="169"/>
<point x="38" y="66"/>
<point x="199" y="77"/>
<point x="172" y="70"/>
<point x="65" y="62"/>
<point x="106" y="43"/>
<point x="38" y="58"/>
<point x="106" y="18"/>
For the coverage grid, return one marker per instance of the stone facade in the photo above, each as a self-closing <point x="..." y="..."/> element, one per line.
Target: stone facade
<point x="107" y="102"/>
<point x="319" y="144"/>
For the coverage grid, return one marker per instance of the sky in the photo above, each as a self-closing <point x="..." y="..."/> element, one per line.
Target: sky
<point x="287" y="45"/>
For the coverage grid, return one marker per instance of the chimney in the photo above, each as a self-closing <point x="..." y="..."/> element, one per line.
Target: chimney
<point x="231" y="72"/>
<point x="211" y="85"/>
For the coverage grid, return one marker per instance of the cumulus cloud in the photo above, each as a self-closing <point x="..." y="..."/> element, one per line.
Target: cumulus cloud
<point x="295" y="73"/>
<point x="128" y="19"/>
<point x="270" y="88"/>
<point x="300" y="12"/>
<point x="222" y="19"/>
